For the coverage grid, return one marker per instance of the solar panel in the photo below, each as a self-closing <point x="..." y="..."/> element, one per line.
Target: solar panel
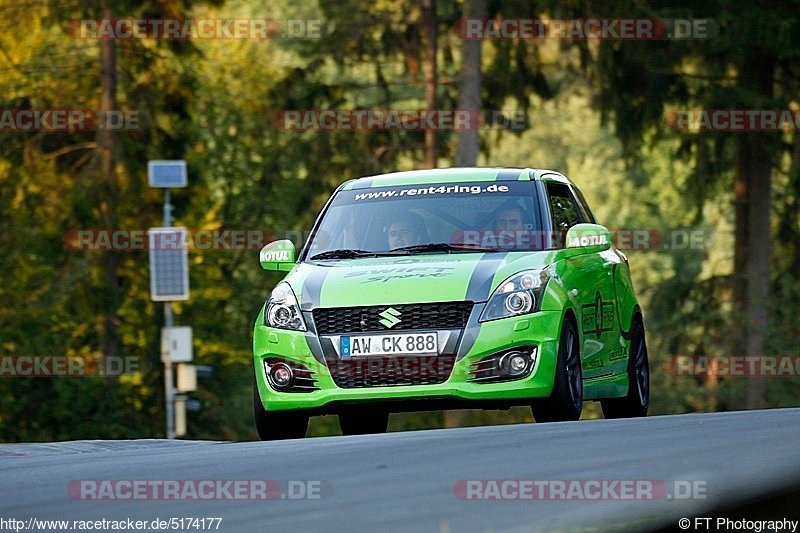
<point x="166" y="174"/>
<point x="169" y="264"/>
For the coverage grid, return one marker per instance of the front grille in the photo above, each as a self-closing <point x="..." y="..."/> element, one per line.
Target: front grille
<point x="391" y="371"/>
<point x="441" y="315"/>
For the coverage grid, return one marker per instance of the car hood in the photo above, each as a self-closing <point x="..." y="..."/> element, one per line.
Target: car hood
<point x="407" y="279"/>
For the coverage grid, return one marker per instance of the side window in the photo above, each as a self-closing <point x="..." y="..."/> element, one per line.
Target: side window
<point x="563" y="207"/>
<point x="584" y="205"/>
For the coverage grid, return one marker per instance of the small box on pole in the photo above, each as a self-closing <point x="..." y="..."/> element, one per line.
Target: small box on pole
<point x="187" y="377"/>
<point x="176" y="344"/>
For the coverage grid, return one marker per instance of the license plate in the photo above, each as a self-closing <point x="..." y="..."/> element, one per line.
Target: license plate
<point x="399" y="344"/>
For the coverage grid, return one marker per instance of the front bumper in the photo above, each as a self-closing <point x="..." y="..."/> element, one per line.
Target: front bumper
<point x="482" y="339"/>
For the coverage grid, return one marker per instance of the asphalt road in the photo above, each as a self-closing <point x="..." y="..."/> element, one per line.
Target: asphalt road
<point x="405" y="481"/>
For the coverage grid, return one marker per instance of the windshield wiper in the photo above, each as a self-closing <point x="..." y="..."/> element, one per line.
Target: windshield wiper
<point x="439" y="247"/>
<point x="343" y="253"/>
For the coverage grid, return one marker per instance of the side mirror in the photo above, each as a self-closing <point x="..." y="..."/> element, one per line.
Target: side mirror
<point x="278" y="255"/>
<point x="592" y="236"/>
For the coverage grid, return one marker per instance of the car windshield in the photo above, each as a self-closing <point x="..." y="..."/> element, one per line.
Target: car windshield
<point x="441" y="218"/>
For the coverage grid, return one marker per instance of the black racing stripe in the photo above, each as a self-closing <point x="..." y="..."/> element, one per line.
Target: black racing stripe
<point x="312" y="288"/>
<point x="317" y="346"/>
<point x="470" y="334"/>
<point x="508" y="175"/>
<point x="480" y="282"/>
<point x="309" y="299"/>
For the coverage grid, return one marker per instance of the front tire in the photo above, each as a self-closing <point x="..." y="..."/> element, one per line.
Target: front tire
<point x="364" y="422"/>
<point x="566" y="401"/>
<point x="636" y="402"/>
<point x="278" y="425"/>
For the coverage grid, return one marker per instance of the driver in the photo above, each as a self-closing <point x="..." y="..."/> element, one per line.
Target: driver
<point x="509" y="218"/>
<point x="405" y="229"/>
<point x="510" y="227"/>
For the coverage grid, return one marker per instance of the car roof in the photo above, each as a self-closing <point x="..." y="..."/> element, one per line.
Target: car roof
<point x="453" y="175"/>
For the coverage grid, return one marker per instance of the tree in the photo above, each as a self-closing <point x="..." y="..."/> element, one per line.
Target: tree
<point x="469" y="90"/>
<point x="429" y="25"/>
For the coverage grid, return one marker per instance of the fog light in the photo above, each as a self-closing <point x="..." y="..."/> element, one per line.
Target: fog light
<point x="517" y="364"/>
<point x="514" y="363"/>
<point x="281" y="375"/>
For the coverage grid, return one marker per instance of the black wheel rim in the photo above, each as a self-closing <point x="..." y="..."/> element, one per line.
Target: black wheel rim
<point x="641" y="371"/>
<point x="573" y="367"/>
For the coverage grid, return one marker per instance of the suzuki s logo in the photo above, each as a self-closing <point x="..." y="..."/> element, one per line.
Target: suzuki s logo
<point x="390" y="317"/>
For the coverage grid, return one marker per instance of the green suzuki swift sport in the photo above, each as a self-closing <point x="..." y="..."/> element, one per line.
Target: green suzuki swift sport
<point x="457" y="288"/>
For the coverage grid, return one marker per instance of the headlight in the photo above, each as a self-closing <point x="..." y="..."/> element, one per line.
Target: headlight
<point x="518" y="295"/>
<point x="282" y="310"/>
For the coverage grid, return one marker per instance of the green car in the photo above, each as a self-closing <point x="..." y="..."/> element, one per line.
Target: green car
<point x="456" y="288"/>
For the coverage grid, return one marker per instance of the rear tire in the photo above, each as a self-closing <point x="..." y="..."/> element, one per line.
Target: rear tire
<point x="364" y="422"/>
<point x="636" y="402"/>
<point x="566" y="401"/>
<point x="278" y="425"/>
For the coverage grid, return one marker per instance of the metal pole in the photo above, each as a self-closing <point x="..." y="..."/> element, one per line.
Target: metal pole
<point x="167" y="210"/>
<point x="169" y="400"/>
<point x="168" y="380"/>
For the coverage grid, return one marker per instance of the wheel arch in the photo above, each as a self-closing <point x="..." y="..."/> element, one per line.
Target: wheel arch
<point x="572" y="316"/>
<point x="635" y="315"/>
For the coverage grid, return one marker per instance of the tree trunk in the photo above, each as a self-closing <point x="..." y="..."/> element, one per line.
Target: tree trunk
<point x="108" y="197"/>
<point x="741" y="250"/>
<point x="759" y="171"/>
<point x="429" y="23"/>
<point x="752" y="230"/>
<point x="469" y="89"/>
